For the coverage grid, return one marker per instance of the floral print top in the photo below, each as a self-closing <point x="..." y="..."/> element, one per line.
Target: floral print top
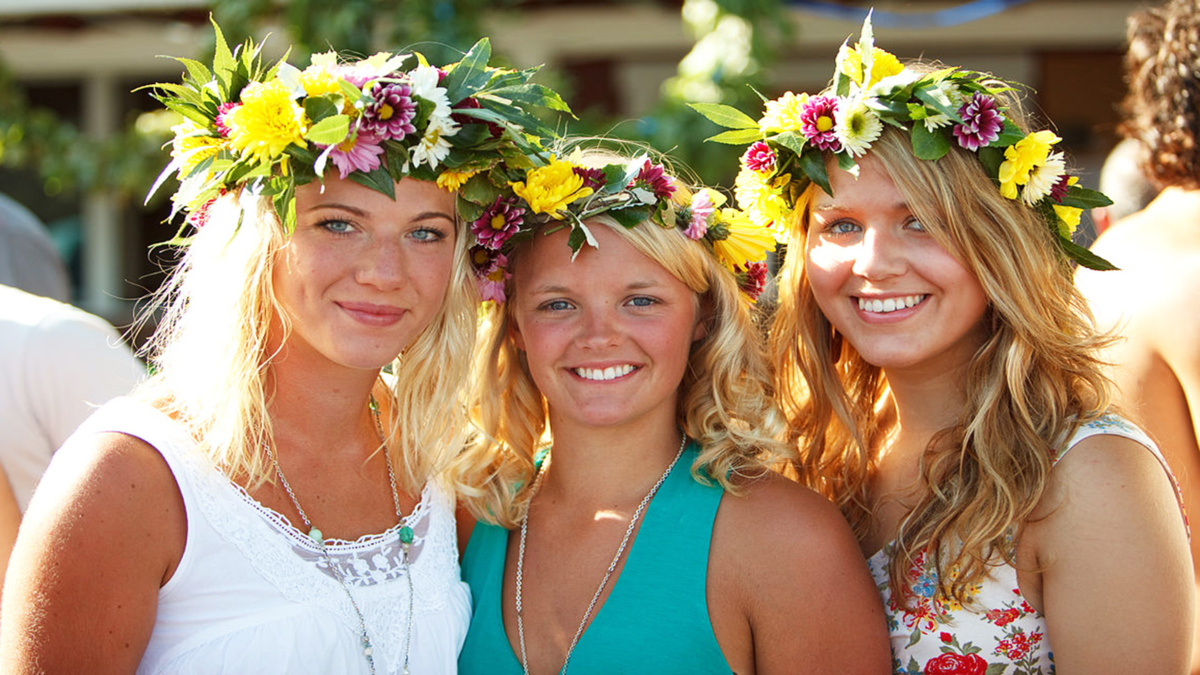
<point x="1000" y="633"/>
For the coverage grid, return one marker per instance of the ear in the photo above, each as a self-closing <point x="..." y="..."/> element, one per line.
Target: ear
<point x="704" y="315"/>
<point x="514" y="332"/>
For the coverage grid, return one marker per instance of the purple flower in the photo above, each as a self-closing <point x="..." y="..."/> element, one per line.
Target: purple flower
<point x="361" y="152"/>
<point x="592" y="178"/>
<point x="753" y="279"/>
<point x="490" y="273"/>
<point x="981" y="125"/>
<point x="701" y="207"/>
<point x="759" y="157"/>
<point x="498" y="223"/>
<point x="390" y="113"/>
<point x="818" y="122"/>
<point x="654" y="178"/>
<point x="1060" y="187"/>
<point x="222" y="114"/>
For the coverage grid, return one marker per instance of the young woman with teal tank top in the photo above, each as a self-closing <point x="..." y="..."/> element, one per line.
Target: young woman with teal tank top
<point x="651" y="536"/>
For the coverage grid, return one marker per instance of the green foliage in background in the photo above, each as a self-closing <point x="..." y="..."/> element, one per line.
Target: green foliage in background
<point x="736" y="40"/>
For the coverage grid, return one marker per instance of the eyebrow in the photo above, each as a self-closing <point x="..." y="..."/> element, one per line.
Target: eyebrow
<point x="558" y="288"/>
<point x="424" y="215"/>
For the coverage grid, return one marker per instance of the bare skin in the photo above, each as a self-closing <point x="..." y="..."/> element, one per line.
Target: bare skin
<point x="1156" y="363"/>
<point x="107" y="527"/>
<point x="787" y="590"/>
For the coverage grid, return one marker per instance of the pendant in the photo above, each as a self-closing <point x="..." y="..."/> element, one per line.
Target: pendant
<point x="317" y="537"/>
<point x="406" y="535"/>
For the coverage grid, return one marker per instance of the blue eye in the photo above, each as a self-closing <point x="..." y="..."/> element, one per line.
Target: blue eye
<point x="915" y="224"/>
<point x="642" y="301"/>
<point x="336" y="226"/>
<point x="841" y="227"/>
<point x="427" y="234"/>
<point x="555" y="305"/>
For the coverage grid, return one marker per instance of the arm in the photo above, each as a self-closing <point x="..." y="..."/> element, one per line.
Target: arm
<point x="10" y="520"/>
<point x="104" y="531"/>
<point x="1117" y="586"/>
<point x="788" y="585"/>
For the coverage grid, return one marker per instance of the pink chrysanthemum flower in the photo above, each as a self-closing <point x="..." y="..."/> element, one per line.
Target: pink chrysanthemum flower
<point x="498" y="223"/>
<point x="753" y="279"/>
<point x="391" y="111"/>
<point x="592" y="178"/>
<point x="818" y="122"/>
<point x="490" y="273"/>
<point x="1059" y="190"/>
<point x="702" y="208"/>
<point x="981" y="125"/>
<point x="222" y="112"/>
<point x="361" y="152"/>
<point x="654" y="178"/>
<point x="759" y="157"/>
<point x="199" y="217"/>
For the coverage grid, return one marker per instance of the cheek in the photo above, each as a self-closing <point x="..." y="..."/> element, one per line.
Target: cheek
<point x="826" y="269"/>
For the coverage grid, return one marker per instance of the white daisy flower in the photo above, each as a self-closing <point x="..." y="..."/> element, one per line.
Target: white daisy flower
<point x="1043" y="178"/>
<point x="434" y="147"/>
<point x="857" y="127"/>
<point x="424" y="83"/>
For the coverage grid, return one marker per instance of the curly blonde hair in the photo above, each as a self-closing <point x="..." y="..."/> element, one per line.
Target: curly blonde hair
<point x="1032" y="382"/>
<point x="210" y="354"/>
<point x="725" y="400"/>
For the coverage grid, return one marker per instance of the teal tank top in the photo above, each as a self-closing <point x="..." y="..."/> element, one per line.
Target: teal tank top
<point x="655" y="620"/>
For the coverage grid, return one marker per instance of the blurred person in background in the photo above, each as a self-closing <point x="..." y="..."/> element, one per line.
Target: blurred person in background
<point x="1156" y="364"/>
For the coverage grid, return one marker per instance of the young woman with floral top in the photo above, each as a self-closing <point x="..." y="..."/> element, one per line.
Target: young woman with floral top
<point x="939" y="372"/>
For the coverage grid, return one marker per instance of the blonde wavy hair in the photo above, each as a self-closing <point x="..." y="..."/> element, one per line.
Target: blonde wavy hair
<point x="210" y="354"/>
<point x="1033" y="381"/>
<point x="725" y="400"/>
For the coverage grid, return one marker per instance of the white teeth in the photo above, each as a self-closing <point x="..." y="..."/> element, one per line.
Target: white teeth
<point x="890" y="304"/>
<point x="609" y="373"/>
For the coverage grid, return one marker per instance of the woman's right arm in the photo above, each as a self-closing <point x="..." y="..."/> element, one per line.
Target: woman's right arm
<point x="104" y="531"/>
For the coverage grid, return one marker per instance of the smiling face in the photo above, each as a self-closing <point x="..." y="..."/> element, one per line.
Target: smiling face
<point x="607" y="336"/>
<point x="363" y="275"/>
<point x="885" y="284"/>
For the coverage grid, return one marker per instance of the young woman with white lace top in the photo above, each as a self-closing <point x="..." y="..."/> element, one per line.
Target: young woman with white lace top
<point x="270" y="501"/>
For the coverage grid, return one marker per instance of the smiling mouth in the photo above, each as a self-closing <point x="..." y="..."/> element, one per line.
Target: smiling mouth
<point x="604" y="374"/>
<point x="878" y="306"/>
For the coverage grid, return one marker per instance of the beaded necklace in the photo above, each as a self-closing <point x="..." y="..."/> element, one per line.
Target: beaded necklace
<point x="405" y="536"/>
<point x="612" y="566"/>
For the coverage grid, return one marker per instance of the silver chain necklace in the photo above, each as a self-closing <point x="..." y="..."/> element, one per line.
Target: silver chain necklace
<point x="612" y="566"/>
<point x="405" y="536"/>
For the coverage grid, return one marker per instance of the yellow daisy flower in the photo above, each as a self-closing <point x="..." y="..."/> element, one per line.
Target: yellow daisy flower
<point x="883" y="64"/>
<point x="453" y="180"/>
<point x="1021" y="158"/>
<point x="746" y="242"/>
<point x="759" y="196"/>
<point x="193" y="145"/>
<point x="267" y="122"/>
<point x="1068" y="217"/>
<point x="782" y="114"/>
<point x="550" y="189"/>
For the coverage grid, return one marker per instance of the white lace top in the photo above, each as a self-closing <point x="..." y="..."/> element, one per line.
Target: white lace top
<point x="252" y="594"/>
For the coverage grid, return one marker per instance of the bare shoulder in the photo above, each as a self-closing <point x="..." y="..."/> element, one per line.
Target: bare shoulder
<point x="802" y="588"/>
<point x="773" y="508"/>
<point x="105" y="530"/>
<point x="1108" y="481"/>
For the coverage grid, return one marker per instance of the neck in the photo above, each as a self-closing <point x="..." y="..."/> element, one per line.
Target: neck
<point x="607" y="466"/>
<point x="926" y="403"/>
<point x="320" y="407"/>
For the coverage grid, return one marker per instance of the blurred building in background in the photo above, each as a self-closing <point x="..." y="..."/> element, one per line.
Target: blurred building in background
<point x="83" y="59"/>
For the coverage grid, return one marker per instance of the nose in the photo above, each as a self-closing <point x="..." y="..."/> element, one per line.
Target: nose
<point x="879" y="255"/>
<point x="383" y="265"/>
<point x="598" y="330"/>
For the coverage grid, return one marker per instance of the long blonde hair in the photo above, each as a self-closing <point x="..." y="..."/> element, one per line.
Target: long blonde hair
<point x="725" y="400"/>
<point x="1028" y="387"/>
<point x="210" y="353"/>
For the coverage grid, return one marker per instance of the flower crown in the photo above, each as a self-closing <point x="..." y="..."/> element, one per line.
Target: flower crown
<point x="376" y="120"/>
<point x="790" y="142"/>
<point x="631" y="192"/>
